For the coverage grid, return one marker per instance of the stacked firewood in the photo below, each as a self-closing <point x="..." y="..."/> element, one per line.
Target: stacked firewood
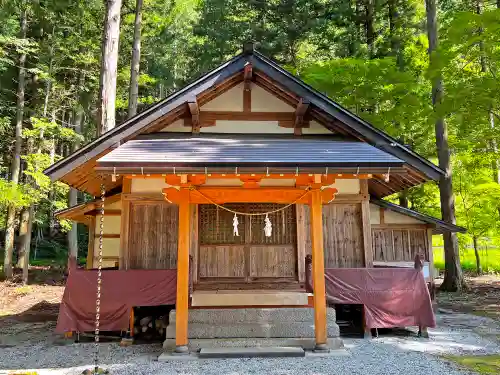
<point x="149" y="327"/>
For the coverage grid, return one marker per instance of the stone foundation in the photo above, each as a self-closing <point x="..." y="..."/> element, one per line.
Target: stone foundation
<point x="252" y="327"/>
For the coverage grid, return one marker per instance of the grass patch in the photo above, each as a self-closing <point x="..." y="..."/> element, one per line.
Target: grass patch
<point x="23" y="290"/>
<point x="490" y="259"/>
<point x="482" y="364"/>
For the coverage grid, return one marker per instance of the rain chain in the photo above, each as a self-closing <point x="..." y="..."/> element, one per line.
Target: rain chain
<point x="99" y="281"/>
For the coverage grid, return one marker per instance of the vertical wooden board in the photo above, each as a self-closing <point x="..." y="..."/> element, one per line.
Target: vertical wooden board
<point x="307" y="229"/>
<point x="367" y="233"/>
<point x="382" y="245"/>
<point x="343" y="235"/>
<point x="221" y="261"/>
<point x="419" y="243"/>
<point x="430" y="254"/>
<point x="401" y="248"/>
<point x="153" y="236"/>
<point x="273" y="262"/>
<point x="193" y="248"/>
<point x="301" y="241"/>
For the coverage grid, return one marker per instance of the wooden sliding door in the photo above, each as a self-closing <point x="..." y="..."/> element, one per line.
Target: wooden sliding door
<point x="250" y="257"/>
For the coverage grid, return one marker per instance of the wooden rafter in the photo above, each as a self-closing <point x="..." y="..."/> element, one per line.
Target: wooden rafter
<point x="194" y="110"/>
<point x="300" y="114"/>
<point x="247" y="77"/>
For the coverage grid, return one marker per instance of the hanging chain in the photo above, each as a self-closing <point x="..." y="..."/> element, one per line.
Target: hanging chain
<point x="99" y="280"/>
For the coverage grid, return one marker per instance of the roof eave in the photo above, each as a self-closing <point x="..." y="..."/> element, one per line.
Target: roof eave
<point x="440" y="224"/>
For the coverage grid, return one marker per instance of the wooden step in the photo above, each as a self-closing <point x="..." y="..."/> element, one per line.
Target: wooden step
<point x="248" y="298"/>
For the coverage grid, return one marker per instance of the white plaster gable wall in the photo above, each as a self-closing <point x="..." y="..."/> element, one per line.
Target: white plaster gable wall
<point x="263" y="101"/>
<point x="231" y="100"/>
<point x="315" y="128"/>
<point x="247" y="127"/>
<point x="374" y="214"/>
<point x="391" y="217"/>
<point x="177" y="127"/>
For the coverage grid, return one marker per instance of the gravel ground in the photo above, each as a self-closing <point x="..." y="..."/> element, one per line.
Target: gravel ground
<point x="386" y="355"/>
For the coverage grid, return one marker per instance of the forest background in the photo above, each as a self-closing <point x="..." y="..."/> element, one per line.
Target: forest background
<point x="372" y="56"/>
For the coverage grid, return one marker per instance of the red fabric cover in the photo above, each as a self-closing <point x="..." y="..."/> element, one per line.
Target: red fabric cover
<point x="120" y="291"/>
<point x="393" y="297"/>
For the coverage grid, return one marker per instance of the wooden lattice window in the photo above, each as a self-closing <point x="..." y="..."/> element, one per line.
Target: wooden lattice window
<point x="216" y="225"/>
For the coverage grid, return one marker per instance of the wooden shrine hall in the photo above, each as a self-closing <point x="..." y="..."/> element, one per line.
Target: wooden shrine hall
<point x="250" y="201"/>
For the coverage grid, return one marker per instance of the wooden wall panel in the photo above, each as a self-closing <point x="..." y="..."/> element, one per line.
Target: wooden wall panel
<point x="399" y="245"/>
<point x="342" y="235"/>
<point x="419" y="243"/>
<point x="153" y="235"/>
<point x="278" y="261"/>
<point x="221" y="261"/>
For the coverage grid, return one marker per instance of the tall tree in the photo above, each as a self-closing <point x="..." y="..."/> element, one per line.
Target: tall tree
<point x="109" y="67"/>
<point x="16" y="157"/>
<point x="453" y="277"/>
<point x="135" y="63"/>
<point x="73" y="193"/>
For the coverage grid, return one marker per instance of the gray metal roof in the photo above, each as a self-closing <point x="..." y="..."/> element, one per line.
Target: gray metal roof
<point x="440" y="225"/>
<point x="235" y="150"/>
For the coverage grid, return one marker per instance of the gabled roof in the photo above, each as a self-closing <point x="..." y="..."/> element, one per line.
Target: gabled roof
<point x="160" y="153"/>
<point x="440" y="225"/>
<point x="77" y="168"/>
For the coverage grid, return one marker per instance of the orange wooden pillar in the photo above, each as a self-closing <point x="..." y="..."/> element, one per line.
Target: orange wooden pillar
<point x="318" y="271"/>
<point x="182" y="302"/>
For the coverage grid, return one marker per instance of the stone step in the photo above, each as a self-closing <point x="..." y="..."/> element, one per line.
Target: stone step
<point x="283" y="329"/>
<point x="252" y="352"/>
<point x="252" y="315"/>
<point x="245" y="342"/>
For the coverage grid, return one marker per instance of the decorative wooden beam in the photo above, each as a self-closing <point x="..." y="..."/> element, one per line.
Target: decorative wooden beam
<point x="221" y="195"/>
<point x="195" y="115"/>
<point x="300" y="113"/>
<point x="247" y="88"/>
<point x="247" y="77"/>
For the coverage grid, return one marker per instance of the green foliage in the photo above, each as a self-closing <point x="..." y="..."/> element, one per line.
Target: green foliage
<point x="490" y="259"/>
<point x="385" y="81"/>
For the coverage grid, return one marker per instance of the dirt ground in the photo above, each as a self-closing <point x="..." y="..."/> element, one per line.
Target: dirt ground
<point x="29" y="313"/>
<point x="482" y="298"/>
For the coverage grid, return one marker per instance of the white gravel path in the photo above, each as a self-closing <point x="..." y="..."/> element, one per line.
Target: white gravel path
<point x="386" y="355"/>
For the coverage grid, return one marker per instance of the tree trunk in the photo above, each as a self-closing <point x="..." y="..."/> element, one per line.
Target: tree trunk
<point x="48" y="83"/>
<point x="109" y="66"/>
<point x="394" y="30"/>
<point x="16" y="158"/>
<point x="403" y="198"/>
<point x="478" y="258"/>
<point x="136" y="59"/>
<point x="73" y="193"/>
<point x="453" y="278"/>
<point x="369" y="26"/>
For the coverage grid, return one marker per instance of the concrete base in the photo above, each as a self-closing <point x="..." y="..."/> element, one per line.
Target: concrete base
<point x="252" y="352"/>
<point x="253" y="327"/>
<point x="196" y="345"/>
